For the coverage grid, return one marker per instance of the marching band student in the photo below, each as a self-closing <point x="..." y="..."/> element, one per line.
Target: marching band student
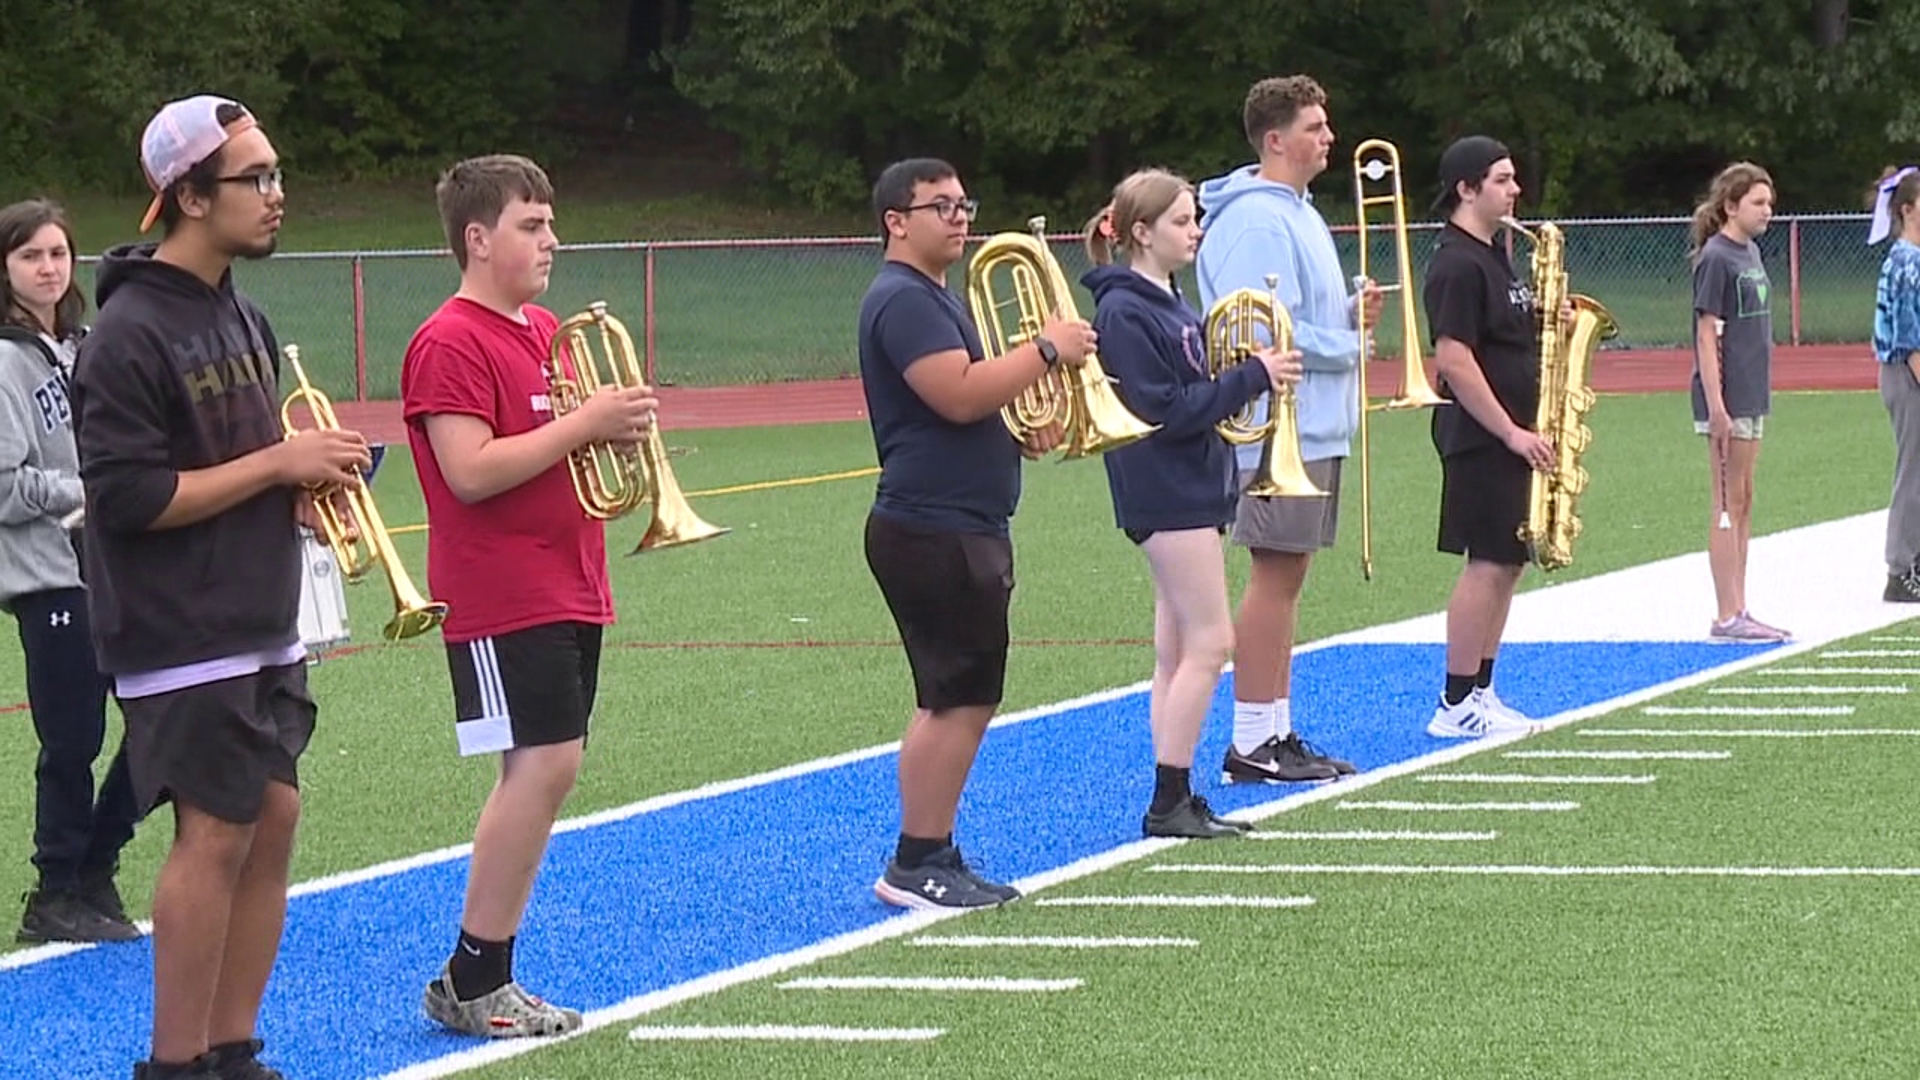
<point x="524" y="661"/>
<point x="77" y="840"/>
<point x="937" y="535"/>
<point x="193" y="491"/>
<point x="1260" y="220"/>
<point x="1896" y="344"/>
<point x="1733" y="357"/>
<point x="1486" y="348"/>
<point x="1173" y="493"/>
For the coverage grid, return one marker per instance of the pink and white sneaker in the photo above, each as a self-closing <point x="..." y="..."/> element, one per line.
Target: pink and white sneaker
<point x="1744" y="627"/>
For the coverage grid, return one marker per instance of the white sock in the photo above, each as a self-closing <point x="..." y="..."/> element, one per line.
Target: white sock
<point x="1252" y="724"/>
<point x="1282" y="718"/>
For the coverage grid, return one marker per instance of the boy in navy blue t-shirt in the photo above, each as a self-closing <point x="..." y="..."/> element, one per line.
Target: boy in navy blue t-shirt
<point x="937" y="537"/>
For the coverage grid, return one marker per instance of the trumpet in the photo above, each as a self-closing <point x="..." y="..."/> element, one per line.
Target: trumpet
<point x="1231" y="329"/>
<point x="413" y="613"/>
<point x="1082" y="400"/>
<point x="1376" y="160"/>
<point x="613" y="479"/>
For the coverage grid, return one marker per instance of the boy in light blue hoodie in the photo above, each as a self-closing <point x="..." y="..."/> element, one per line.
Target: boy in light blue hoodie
<point x="1260" y="220"/>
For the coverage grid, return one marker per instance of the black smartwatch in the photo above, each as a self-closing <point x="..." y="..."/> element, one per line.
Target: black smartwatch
<point x="1047" y="351"/>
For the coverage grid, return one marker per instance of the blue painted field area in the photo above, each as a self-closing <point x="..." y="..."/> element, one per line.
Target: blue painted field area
<point x="654" y="900"/>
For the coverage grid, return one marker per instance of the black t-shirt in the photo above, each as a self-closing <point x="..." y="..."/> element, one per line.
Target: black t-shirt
<point x="934" y="474"/>
<point x="1473" y="297"/>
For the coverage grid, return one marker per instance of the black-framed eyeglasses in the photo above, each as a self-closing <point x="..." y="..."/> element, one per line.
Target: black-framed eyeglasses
<point x="263" y="182"/>
<point x="946" y="209"/>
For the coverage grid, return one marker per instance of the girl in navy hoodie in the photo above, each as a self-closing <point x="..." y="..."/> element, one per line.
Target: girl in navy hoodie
<point x="1173" y="493"/>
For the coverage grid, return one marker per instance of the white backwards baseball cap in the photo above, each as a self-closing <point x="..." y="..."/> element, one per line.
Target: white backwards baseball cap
<point x="181" y="135"/>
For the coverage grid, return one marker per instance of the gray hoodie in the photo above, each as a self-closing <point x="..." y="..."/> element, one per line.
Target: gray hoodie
<point x="39" y="470"/>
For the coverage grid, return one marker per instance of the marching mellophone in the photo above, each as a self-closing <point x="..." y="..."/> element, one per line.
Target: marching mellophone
<point x="613" y="479"/>
<point x="1233" y="323"/>
<point x="413" y="613"/>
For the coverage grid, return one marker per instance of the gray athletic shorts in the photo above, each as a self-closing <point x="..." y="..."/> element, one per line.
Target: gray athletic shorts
<point x="1297" y="525"/>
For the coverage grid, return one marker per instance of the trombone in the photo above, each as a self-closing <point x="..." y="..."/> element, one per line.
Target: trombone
<point x="612" y="479"/>
<point x="1232" y="326"/>
<point x="1376" y="160"/>
<point x="413" y="613"/>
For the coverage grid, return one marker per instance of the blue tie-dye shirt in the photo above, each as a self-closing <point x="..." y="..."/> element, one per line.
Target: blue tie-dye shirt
<point x="1896" y="304"/>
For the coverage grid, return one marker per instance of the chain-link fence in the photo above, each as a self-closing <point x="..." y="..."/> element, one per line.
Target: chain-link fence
<point x="749" y="311"/>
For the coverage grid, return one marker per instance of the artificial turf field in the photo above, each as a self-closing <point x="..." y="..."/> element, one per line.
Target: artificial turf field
<point x="737" y="803"/>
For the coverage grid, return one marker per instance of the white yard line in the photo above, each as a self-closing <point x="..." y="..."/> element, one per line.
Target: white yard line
<point x="1829" y="690"/>
<point x="1748" y="710"/>
<point x="1540" y="871"/>
<point x="779" y="1033"/>
<point x="977" y="941"/>
<point x="990" y="984"/>
<point x="1177" y="901"/>
<point x="1377" y="834"/>
<point x="1623" y="755"/>
<point x="1444" y="807"/>
<point x="1524" y="778"/>
<point x="1786" y="733"/>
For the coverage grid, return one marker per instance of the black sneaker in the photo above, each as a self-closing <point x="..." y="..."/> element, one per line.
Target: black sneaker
<point x="61" y="915"/>
<point x="943" y="881"/>
<point x="1295" y="748"/>
<point x="1191" y="819"/>
<point x="241" y="1061"/>
<point x="1903" y="588"/>
<point x="103" y="896"/>
<point x="1270" y="764"/>
<point x="201" y="1069"/>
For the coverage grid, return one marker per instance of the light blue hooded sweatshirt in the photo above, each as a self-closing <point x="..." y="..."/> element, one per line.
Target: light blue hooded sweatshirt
<point x="1255" y="227"/>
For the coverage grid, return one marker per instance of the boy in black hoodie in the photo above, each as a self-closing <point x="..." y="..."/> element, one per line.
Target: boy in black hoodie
<point x="192" y="562"/>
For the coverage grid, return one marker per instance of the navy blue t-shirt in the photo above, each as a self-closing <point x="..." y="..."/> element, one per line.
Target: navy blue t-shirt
<point x="934" y="474"/>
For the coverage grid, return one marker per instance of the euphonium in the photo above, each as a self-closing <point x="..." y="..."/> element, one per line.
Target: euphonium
<point x="1373" y="161"/>
<point x="1566" y="360"/>
<point x="413" y="614"/>
<point x="1082" y="399"/>
<point x="1231" y="325"/>
<point x="612" y="479"/>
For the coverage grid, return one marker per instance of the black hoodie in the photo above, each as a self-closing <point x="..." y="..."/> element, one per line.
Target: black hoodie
<point x="1154" y="345"/>
<point x="178" y="376"/>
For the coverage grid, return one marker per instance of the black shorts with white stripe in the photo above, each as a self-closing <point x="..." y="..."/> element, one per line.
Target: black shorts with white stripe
<point x="532" y="687"/>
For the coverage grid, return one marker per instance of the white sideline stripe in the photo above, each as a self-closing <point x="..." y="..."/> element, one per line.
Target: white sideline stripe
<point x="772" y="1033"/>
<point x="1838" y="670"/>
<point x="1524" y="778"/>
<point x="965" y="941"/>
<point x="1543" y="871"/>
<point x="1894" y="637"/>
<point x="1748" y="710"/>
<point x="1773" y="558"/>
<point x="1397" y="804"/>
<point x="1625" y="755"/>
<point x="1177" y="901"/>
<point x="1866" y="654"/>
<point x="990" y="984"/>
<point x="1376" y="834"/>
<point x="1806" y="690"/>
<point x="1710" y="733"/>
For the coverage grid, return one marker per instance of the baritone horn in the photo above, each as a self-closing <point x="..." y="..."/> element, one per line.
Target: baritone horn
<point x="1231" y="328"/>
<point x="1376" y="160"/>
<point x="413" y="613"/>
<point x="1080" y="399"/>
<point x="613" y="479"/>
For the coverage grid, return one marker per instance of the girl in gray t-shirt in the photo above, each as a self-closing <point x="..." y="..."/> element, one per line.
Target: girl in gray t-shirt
<point x="1733" y="351"/>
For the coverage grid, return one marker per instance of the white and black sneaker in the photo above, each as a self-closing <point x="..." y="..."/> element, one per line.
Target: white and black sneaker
<point x="942" y="881"/>
<point x="1472" y="718"/>
<point x="1277" y="761"/>
<point x="1903" y="588"/>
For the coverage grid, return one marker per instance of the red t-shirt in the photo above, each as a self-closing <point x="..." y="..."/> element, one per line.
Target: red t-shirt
<point x="529" y="555"/>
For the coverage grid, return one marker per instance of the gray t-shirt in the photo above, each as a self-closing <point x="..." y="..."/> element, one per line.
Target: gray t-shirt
<point x="1730" y="283"/>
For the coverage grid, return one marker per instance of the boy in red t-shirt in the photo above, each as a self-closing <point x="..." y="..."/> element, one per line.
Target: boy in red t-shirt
<point x="520" y="564"/>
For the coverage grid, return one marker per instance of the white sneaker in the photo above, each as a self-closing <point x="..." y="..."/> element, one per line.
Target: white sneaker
<point x="1492" y="703"/>
<point x="1473" y="719"/>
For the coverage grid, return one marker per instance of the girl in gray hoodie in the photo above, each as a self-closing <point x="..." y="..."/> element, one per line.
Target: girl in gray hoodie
<point x="76" y="838"/>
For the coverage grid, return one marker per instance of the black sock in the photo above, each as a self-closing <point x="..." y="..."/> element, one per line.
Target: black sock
<point x="480" y="967"/>
<point x="1485" y="678"/>
<point x="1170" y="788"/>
<point x="911" y="851"/>
<point x="233" y="1053"/>
<point x="1458" y="687"/>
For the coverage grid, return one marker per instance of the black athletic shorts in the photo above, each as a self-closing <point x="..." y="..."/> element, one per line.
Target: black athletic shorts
<point x="532" y="687"/>
<point x="215" y="746"/>
<point x="949" y="593"/>
<point x="1483" y="503"/>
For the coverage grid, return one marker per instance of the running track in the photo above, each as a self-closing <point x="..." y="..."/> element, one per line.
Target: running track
<point x="1802" y="367"/>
